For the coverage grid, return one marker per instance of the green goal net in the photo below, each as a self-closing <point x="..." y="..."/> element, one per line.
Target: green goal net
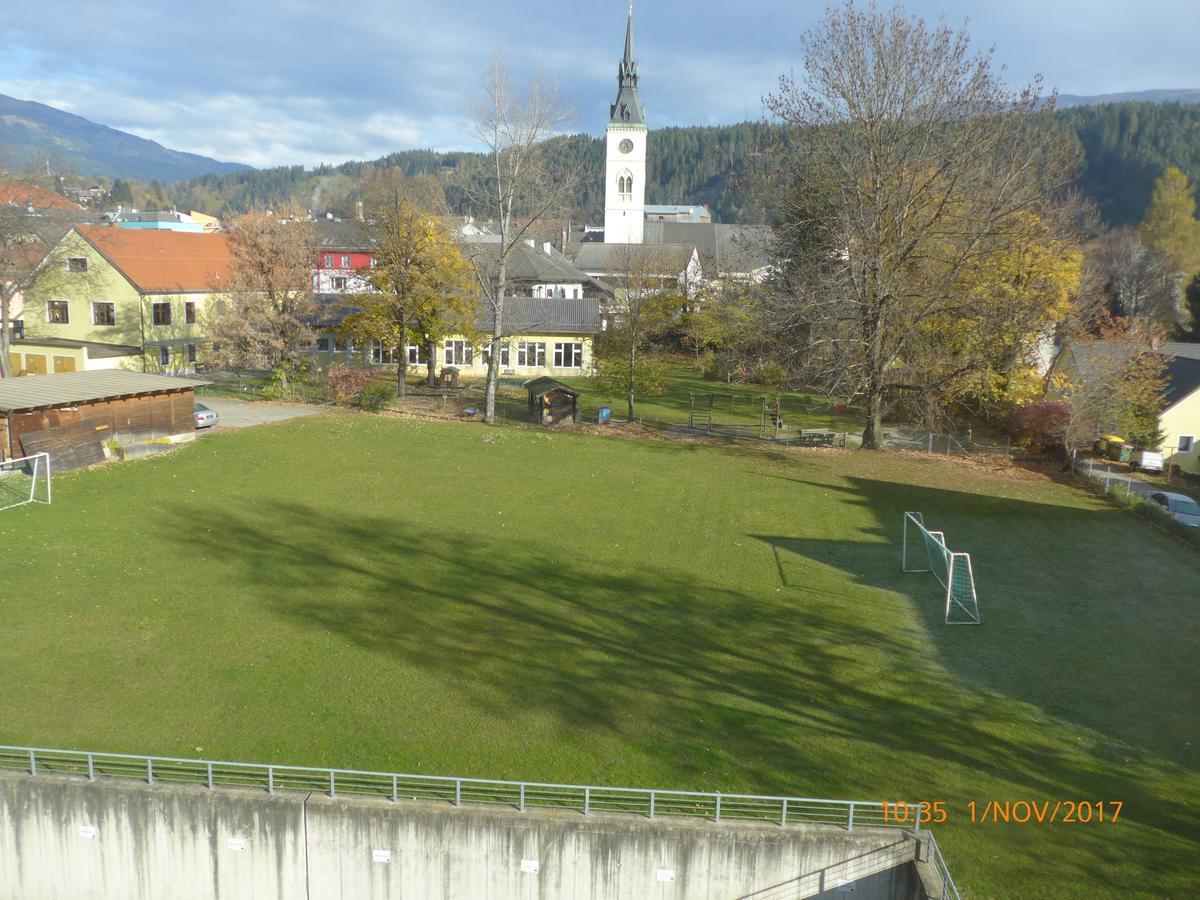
<point x="925" y="550"/>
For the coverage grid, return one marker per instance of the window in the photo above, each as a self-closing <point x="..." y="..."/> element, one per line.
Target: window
<point x="189" y="312"/>
<point x="191" y="353"/>
<point x="77" y="263"/>
<point x="487" y="355"/>
<point x="161" y="313"/>
<point x="568" y="356"/>
<point x="1186" y="441"/>
<point x="328" y="261"/>
<point x="345" y="262"/>
<point x="339" y="282"/>
<point x="415" y="356"/>
<point x="531" y="355"/>
<point x="164" y="356"/>
<point x="625" y="185"/>
<point x="381" y="355"/>
<point x="18" y="329"/>
<point x="104" y="313"/>
<point x="323" y="344"/>
<point x="459" y="353"/>
<point x="58" y="312"/>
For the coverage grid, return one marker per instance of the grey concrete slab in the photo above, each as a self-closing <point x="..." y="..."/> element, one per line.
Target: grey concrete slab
<point x="245" y="413"/>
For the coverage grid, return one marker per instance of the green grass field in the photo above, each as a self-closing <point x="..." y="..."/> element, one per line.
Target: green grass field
<point x="446" y="598"/>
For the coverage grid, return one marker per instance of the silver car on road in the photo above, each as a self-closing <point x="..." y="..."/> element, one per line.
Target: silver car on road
<point x="205" y="417"/>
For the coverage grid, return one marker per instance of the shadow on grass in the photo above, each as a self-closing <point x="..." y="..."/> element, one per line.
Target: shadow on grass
<point x="679" y="669"/>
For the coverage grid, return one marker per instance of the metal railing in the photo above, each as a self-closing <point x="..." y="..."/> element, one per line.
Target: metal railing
<point x="392" y="786"/>
<point x="940" y="869"/>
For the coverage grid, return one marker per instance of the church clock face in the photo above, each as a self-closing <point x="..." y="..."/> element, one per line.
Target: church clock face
<point x="626" y="146"/>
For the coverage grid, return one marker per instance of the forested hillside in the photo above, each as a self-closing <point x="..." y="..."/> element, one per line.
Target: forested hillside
<point x="1125" y="146"/>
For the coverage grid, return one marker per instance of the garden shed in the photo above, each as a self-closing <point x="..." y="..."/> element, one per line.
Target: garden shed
<point x="70" y="415"/>
<point x="551" y="402"/>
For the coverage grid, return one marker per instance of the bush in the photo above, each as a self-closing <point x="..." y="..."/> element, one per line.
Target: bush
<point x="1042" y="425"/>
<point x="375" y="396"/>
<point x="346" y="385"/>
<point x="649" y="376"/>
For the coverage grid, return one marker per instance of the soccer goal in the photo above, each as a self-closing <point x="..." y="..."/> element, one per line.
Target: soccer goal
<point x="926" y="551"/>
<point x="25" y="480"/>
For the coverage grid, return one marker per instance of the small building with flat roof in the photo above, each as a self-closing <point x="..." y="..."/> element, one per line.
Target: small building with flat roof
<point x="72" y="414"/>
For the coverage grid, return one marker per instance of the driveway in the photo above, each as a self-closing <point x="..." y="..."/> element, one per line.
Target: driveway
<point x="1115" y="473"/>
<point x="244" y="413"/>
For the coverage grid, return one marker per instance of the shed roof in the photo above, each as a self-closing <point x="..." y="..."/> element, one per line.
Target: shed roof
<point x="544" y="384"/>
<point x="164" y="261"/>
<point x="95" y="349"/>
<point x="66" y="388"/>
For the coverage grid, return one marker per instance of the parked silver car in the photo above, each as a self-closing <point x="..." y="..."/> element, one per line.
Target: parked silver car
<point x="1183" y="509"/>
<point x="205" y="417"/>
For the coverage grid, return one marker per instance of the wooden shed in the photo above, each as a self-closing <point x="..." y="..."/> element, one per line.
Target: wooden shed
<point x="551" y="402"/>
<point x="71" y="415"/>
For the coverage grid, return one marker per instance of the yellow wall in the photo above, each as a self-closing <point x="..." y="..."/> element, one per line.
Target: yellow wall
<point x="478" y="367"/>
<point x="1182" y="418"/>
<point x="134" y="311"/>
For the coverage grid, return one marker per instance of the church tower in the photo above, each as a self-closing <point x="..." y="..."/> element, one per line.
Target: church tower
<point x="625" y="165"/>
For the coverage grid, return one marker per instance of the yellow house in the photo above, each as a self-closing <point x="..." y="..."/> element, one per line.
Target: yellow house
<point x="542" y="336"/>
<point x="124" y="288"/>
<point x="1180" y="420"/>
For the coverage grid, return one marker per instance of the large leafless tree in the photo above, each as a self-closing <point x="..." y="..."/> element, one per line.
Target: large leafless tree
<point x="517" y="189"/>
<point x="30" y="259"/>
<point x="261" y="322"/>
<point x="909" y="162"/>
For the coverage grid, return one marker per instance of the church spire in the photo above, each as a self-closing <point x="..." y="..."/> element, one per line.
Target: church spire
<point x="628" y="109"/>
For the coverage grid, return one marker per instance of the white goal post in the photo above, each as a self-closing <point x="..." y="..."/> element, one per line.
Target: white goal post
<point x="25" y="480"/>
<point x="952" y="570"/>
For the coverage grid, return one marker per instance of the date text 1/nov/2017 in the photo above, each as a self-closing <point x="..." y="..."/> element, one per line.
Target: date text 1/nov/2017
<point x="1021" y="812"/>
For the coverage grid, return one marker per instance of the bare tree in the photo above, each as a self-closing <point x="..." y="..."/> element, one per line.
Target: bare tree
<point x="260" y="323"/>
<point x="910" y="162"/>
<point x="1137" y="277"/>
<point x="649" y="299"/>
<point x="517" y="189"/>
<point x="31" y="259"/>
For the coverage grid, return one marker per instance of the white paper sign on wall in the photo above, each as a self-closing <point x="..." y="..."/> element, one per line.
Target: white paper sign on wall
<point x="665" y="875"/>
<point x="381" y="856"/>
<point x="237" y="844"/>
<point x="87" y="831"/>
<point x="532" y="866"/>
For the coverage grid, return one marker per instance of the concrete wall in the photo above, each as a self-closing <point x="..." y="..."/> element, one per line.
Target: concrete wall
<point x="65" y="837"/>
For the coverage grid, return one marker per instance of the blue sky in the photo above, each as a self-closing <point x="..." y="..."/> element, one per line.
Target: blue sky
<point x="299" y="81"/>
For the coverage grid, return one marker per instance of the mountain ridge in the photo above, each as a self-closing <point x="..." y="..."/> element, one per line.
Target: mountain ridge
<point x="30" y="130"/>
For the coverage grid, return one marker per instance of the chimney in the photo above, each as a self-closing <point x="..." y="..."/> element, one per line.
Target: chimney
<point x="547" y="247"/>
<point x="358" y="211"/>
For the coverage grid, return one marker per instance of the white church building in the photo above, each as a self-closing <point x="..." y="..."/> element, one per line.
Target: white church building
<point x="683" y="237"/>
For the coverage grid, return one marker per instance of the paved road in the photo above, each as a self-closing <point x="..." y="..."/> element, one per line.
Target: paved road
<point x="1118" y="474"/>
<point x="244" y="413"/>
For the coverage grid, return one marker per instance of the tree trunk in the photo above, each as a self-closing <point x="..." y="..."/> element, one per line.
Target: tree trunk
<point x="402" y="363"/>
<point x="431" y="364"/>
<point x="5" y="369"/>
<point x="493" y="375"/>
<point x="873" y="433"/>
<point x="632" y="375"/>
